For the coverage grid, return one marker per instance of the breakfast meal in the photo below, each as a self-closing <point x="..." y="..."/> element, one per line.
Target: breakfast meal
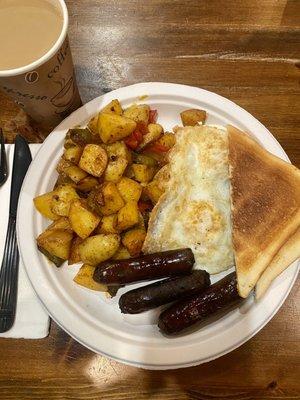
<point x="134" y="203"/>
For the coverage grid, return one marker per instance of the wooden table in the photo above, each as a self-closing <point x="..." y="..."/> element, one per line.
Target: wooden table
<point x="246" y="50"/>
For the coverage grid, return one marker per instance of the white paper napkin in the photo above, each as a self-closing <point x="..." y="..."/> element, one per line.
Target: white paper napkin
<point x="32" y="321"/>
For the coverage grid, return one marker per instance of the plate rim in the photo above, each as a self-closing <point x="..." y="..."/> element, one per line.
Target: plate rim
<point x="161" y="87"/>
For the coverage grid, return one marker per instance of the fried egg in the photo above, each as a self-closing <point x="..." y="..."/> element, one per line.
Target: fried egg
<point x="194" y="211"/>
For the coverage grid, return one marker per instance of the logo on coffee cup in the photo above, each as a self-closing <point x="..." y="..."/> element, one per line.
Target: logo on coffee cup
<point x="32" y="77"/>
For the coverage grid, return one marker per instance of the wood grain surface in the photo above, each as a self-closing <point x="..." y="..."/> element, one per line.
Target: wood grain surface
<point x="245" y="50"/>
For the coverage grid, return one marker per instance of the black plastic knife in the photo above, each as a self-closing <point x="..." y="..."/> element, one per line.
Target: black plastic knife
<point x="10" y="262"/>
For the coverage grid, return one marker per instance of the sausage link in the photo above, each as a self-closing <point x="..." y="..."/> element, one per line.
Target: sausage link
<point x="163" y="292"/>
<point x="185" y="313"/>
<point x="146" y="267"/>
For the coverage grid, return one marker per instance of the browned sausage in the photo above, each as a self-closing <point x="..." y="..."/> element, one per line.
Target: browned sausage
<point x="163" y="292"/>
<point x="149" y="266"/>
<point x="185" y="313"/>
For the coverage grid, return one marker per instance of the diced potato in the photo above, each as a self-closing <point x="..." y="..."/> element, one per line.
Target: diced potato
<point x="128" y="215"/>
<point x="108" y="224"/>
<point x="113" y="127"/>
<point x="93" y="160"/>
<point x="138" y="112"/>
<point x="115" y="169"/>
<point x="44" y="205"/>
<point x="129" y="189"/>
<point x="114" y="107"/>
<point x="162" y="177"/>
<point x="73" y="153"/>
<point x="154" y="132"/>
<point x="98" y="248"/>
<point x="87" y="184"/>
<point x="143" y="173"/>
<point x="167" y="140"/>
<point x="82" y="220"/>
<point x="62" y="198"/>
<point x="56" y="242"/>
<point x="118" y="149"/>
<point x="93" y="124"/>
<point x="121" y="254"/>
<point x="63" y="179"/>
<point x="133" y="240"/>
<point x="84" y="277"/>
<point x="83" y="136"/>
<point x="74" y="256"/>
<point x="113" y="201"/>
<point x="63" y="165"/>
<point x="95" y="199"/>
<point x="61" y="223"/>
<point x="75" y="173"/>
<point x="192" y="117"/>
<point x="129" y="172"/>
<point x="153" y="191"/>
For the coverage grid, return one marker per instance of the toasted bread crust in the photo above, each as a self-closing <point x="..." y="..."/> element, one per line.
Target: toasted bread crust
<point x="286" y="255"/>
<point x="265" y="197"/>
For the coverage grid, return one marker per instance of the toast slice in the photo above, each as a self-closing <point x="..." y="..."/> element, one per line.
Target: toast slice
<point x="286" y="255"/>
<point x="265" y="206"/>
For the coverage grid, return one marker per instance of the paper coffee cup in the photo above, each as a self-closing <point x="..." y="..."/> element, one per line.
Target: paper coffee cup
<point x="46" y="89"/>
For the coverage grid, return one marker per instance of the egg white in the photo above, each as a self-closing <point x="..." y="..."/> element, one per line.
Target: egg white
<point x="195" y="212"/>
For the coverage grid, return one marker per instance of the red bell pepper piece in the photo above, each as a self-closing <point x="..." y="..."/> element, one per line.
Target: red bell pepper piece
<point x="157" y="148"/>
<point x="145" y="206"/>
<point x="153" y="114"/>
<point x="134" y="140"/>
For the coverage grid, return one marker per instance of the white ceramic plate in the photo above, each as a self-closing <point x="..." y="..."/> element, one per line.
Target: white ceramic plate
<point x="95" y="321"/>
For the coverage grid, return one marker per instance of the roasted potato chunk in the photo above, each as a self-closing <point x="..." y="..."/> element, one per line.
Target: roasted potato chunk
<point x="74" y="256"/>
<point x="153" y="191"/>
<point x="192" y="117"/>
<point x="115" y="170"/>
<point x="121" y="254"/>
<point x="73" y="153"/>
<point x="108" y="224"/>
<point x="167" y="140"/>
<point x="82" y="220"/>
<point x="162" y="177"/>
<point x="138" y="113"/>
<point x="93" y="160"/>
<point x="57" y="242"/>
<point x="118" y="150"/>
<point x="133" y="240"/>
<point x="112" y="199"/>
<point x="154" y="132"/>
<point x="129" y="189"/>
<point x="63" y="165"/>
<point x="128" y="215"/>
<point x="114" y="107"/>
<point x="143" y="173"/>
<point x="44" y="204"/>
<point x="63" y="179"/>
<point x="87" y="184"/>
<point x="60" y="223"/>
<point x="62" y="198"/>
<point x="98" y="248"/>
<point x="84" y="277"/>
<point x="113" y="127"/>
<point x="93" y="125"/>
<point x="75" y="173"/>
